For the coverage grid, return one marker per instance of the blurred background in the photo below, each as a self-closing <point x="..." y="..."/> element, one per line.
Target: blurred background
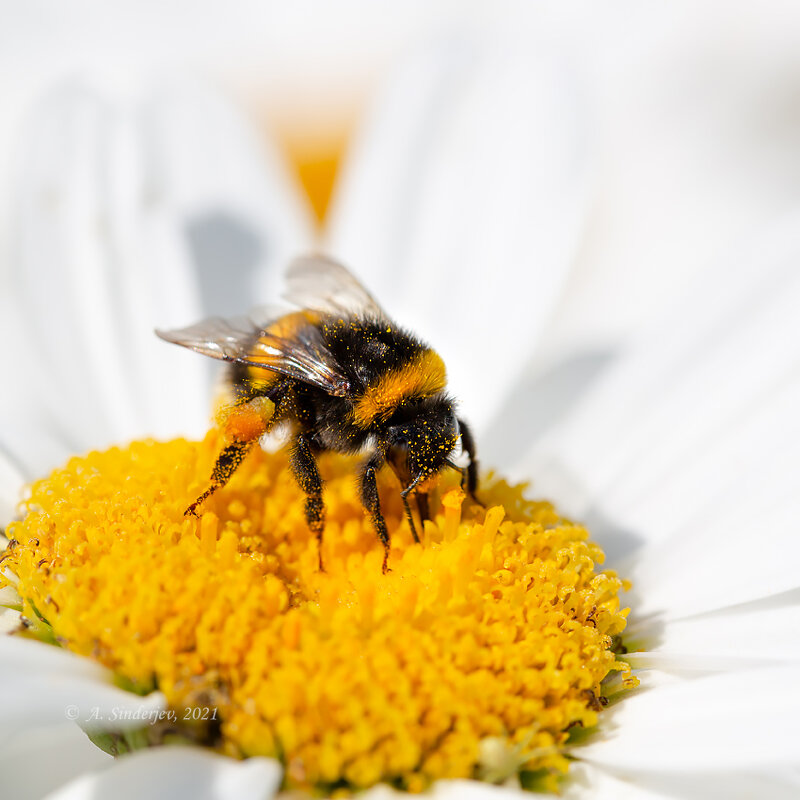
<point x="301" y="71"/>
<point x="594" y="157"/>
<point x="304" y="72"/>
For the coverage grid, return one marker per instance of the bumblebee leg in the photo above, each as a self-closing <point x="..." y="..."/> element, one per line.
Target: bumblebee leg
<point x="409" y="517"/>
<point x="304" y="468"/>
<point x="371" y="501"/>
<point x="227" y="461"/>
<point x="243" y="424"/>
<point x="471" y="477"/>
<point x="423" y="506"/>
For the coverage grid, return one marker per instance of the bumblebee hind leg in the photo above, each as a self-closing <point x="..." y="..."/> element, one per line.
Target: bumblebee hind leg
<point x="305" y="470"/>
<point x="423" y="507"/>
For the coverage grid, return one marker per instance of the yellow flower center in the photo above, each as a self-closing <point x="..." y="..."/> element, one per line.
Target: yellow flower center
<point x="472" y="657"/>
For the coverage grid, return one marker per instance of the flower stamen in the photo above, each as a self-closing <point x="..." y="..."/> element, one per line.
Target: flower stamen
<point x="473" y="657"/>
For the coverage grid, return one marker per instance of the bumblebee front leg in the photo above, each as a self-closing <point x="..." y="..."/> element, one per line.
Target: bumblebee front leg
<point x="305" y="470"/>
<point x="372" y="503"/>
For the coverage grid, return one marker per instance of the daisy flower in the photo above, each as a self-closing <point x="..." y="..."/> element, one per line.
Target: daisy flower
<point x="468" y="204"/>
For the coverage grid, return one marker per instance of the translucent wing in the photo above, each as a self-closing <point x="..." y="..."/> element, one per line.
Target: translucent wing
<point x="321" y="284"/>
<point x="302" y="356"/>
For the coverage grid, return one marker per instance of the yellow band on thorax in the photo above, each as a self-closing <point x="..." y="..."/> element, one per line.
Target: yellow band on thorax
<point x="421" y="377"/>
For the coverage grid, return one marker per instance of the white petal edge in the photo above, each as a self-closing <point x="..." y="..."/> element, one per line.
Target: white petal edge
<point x="11" y="484"/>
<point x="170" y="772"/>
<point x="29" y="657"/>
<point x="450" y="790"/>
<point x="762" y="633"/>
<point x="741" y="721"/>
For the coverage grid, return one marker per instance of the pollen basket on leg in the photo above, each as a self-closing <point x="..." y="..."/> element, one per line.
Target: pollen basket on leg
<point x="245" y="421"/>
<point x="495" y="632"/>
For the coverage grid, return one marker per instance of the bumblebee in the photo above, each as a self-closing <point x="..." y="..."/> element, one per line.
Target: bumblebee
<point x="342" y="376"/>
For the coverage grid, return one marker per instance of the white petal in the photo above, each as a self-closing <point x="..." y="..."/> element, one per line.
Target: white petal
<point x="688" y="441"/>
<point x="233" y="195"/>
<point x="83" y="197"/>
<point x="760" y="633"/>
<point x="56" y="700"/>
<point x="694" y="129"/>
<point x="11" y="484"/>
<point x="170" y="772"/>
<point x="447" y="789"/>
<point x="590" y="781"/>
<point x="463" y="204"/>
<point x="134" y="213"/>
<point x="454" y="789"/>
<point x="737" y="721"/>
<point x="28" y="657"/>
<point x="9" y="618"/>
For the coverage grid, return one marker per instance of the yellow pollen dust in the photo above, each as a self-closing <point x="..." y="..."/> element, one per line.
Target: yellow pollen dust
<point x="483" y="646"/>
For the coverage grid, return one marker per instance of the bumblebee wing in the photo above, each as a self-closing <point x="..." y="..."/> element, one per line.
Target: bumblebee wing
<point x="303" y="356"/>
<point x="322" y="284"/>
<point x="225" y="339"/>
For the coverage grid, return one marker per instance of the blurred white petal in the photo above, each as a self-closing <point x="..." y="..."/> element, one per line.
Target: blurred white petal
<point x="588" y="780"/>
<point x="44" y="693"/>
<point x="133" y="213"/>
<point x="171" y="772"/>
<point x="472" y="790"/>
<point x="42" y="686"/>
<point x="694" y="127"/>
<point x="699" y="414"/>
<point x="28" y="656"/>
<point x="233" y="198"/>
<point x="65" y="749"/>
<point x="470" y="178"/>
<point x="11" y="484"/>
<point x="450" y="790"/>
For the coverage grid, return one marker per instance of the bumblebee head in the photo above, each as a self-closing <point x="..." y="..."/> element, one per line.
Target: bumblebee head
<point x="421" y="439"/>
